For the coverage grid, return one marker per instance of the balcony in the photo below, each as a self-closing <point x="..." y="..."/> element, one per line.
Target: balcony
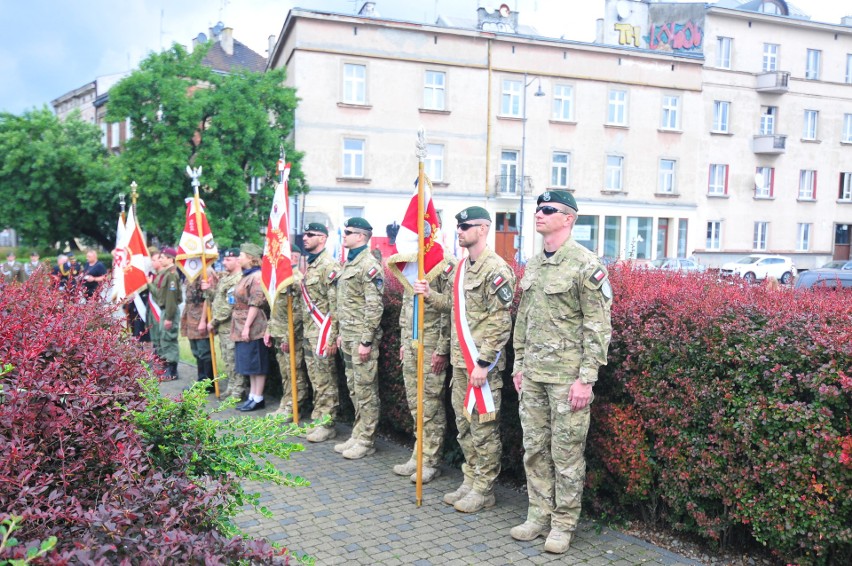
<point x="774" y="82"/>
<point x="509" y="185"/>
<point x="769" y="144"/>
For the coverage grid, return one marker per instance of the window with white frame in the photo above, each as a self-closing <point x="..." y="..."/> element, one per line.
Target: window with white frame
<point x="809" y="131"/>
<point x="510" y="104"/>
<point x="807" y="184"/>
<point x="666" y="177"/>
<point x="767" y="120"/>
<point x="764" y="182"/>
<point x="760" y="230"/>
<point x="849" y="68"/>
<point x="721" y="115"/>
<point x="770" y="57"/>
<point x="560" y="169"/>
<point x="114" y="139"/>
<point x="434" y="164"/>
<point x="434" y="90"/>
<point x="354" y="83"/>
<point x="714" y="235"/>
<point x="614" y="173"/>
<point x="803" y="237"/>
<point x="509" y="171"/>
<point x="104" y="126"/>
<point x="846" y="135"/>
<point x="671" y="112"/>
<point x="353" y="157"/>
<point x="128" y="130"/>
<point x="352" y="212"/>
<point x="812" y="65"/>
<point x="718" y="182"/>
<point x="845" y="192"/>
<point x="723" y="52"/>
<point x="563" y="102"/>
<point x="616" y="114"/>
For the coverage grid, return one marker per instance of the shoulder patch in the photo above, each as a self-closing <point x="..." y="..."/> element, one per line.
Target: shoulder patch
<point x="449" y="268"/>
<point x="379" y="282"/>
<point x="172" y="286"/>
<point x="599" y="275"/>
<point x="497" y="282"/>
<point x="332" y="275"/>
<point x="597" y="279"/>
<point x="372" y="273"/>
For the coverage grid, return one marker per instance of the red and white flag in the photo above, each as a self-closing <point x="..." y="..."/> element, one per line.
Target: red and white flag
<point x="131" y="262"/>
<point x="403" y="264"/>
<point x="196" y="247"/>
<point x="276" y="268"/>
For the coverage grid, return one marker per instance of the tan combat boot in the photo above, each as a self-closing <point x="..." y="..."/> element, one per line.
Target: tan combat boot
<point x="406" y="469"/>
<point x="528" y="531"/>
<point x="344" y="446"/>
<point x="321" y="434"/>
<point x="474" y="501"/>
<point x="558" y="542"/>
<point x="464" y="488"/>
<point x="429" y="473"/>
<point x="358" y="451"/>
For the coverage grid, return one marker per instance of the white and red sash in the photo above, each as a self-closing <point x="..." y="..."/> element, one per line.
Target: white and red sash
<point x="476" y="397"/>
<point x="322" y="322"/>
<point x="155" y="308"/>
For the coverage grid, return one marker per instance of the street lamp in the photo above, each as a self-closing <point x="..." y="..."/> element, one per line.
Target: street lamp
<point x="539" y="92"/>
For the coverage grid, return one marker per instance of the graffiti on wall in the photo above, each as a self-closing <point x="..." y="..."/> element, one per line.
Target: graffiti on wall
<point x="628" y="34"/>
<point x="675" y="37"/>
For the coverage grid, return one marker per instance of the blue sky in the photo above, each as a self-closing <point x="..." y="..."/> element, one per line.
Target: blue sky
<point x="50" y="47"/>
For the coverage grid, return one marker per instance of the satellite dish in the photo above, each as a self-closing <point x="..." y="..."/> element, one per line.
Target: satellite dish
<point x="202" y="38"/>
<point x="623" y="9"/>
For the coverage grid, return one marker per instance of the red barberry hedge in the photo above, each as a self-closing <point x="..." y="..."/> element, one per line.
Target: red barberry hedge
<point x="725" y="411"/>
<point x="72" y="464"/>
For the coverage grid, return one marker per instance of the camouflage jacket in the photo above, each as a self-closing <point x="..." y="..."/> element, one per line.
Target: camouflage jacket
<point x="30" y="268"/>
<point x="222" y="300"/>
<point x="195" y="308"/>
<point x="321" y="280"/>
<point x="359" y="299"/>
<point x="12" y="272"/>
<point x="166" y="291"/>
<point x="436" y="324"/>
<point x="279" y="321"/>
<point x="489" y="288"/>
<point x="563" y="327"/>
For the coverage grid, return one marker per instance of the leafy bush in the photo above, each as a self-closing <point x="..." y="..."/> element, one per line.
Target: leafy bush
<point x="724" y="411"/>
<point x="89" y="460"/>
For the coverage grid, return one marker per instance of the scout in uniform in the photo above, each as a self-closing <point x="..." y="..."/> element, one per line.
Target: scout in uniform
<point x="167" y="293"/>
<point x="12" y="270"/>
<point x="193" y="325"/>
<point x="359" y="313"/>
<point x="482" y="324"/>
<point x="562" y="334"/>
<point x="221" y="298"/>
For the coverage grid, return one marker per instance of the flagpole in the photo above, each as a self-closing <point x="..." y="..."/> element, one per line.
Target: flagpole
<point x="196" y="173"/>
<point x="421" y="206"/>
<point x="291" y="331"/>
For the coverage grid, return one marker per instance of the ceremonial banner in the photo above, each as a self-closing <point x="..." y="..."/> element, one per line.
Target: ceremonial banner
<point x="196" y="248"/>
<point x="131" y="262"/>
<point x="404" y="263"/>
<point x="479" y="398"/>
<point x="276" y="268"/>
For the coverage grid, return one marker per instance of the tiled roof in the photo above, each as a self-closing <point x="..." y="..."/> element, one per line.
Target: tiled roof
<point x="243" y="58"/>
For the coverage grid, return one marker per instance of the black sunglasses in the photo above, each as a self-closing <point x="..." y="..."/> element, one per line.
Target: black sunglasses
<point x="311" y="235"/>
<point x="465" y="226"/>
<point x="548" y="210"/>
<point x="349" y="232"/>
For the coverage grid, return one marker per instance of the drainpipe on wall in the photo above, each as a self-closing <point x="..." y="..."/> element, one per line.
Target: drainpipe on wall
<point x="488" y="126"/>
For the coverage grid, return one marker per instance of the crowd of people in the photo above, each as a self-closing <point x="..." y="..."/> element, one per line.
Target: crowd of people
<point x="560" y="339"/>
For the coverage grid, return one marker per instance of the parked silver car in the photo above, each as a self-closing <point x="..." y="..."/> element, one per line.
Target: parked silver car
<point x="757" y="267"/>
<point x="676" y="264"/>
<point x="845" y="264"/>
<point x="824" y="279"/>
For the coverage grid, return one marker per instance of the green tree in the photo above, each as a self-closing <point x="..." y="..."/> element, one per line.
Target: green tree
<point x="233" y="126"/>
<point x="55" y="179"/>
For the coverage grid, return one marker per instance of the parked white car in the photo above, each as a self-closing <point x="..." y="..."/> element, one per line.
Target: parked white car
<point x="757" y="267"/>
<point x="676" y="264"/>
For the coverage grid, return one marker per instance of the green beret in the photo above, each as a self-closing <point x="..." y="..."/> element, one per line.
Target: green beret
<point x="294" y="247"/>
<point x="358" y="222"/>
<point x="252" y="250"/>
<point x="316" y="227"/>
<point x="562" y="197"/>
<point x="231" y="252"/>
<point x="473" y="213"/>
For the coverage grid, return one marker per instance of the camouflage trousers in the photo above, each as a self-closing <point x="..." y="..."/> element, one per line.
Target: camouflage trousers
<point x="554" y="441"/>
<point x="166" y="345"/>
<point x="434" y="414"/>
<point x="363" y="383"/>
<point x="480" y="442"/>
<point x="323" y="376"/>
<point x="236" y="383"/>
<point x="286" y="385"/>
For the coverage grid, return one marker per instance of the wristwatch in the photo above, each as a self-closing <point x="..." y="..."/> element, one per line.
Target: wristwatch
<point x="482" y="364"/>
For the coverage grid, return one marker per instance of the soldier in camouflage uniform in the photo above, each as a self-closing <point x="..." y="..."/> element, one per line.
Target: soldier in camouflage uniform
<point x="488" y="293"/>
<point x="359" y="310"/>
<point x="436" y="355"/>
<point x="562" y="334"/>
<point x="166" y="291"/>
<point x="12" y="270"/>
<point x="320" y="284"/>
<point x="222" y="303"/>
<point x="34" y="265"/>
<point x="278" y="338"/>
<point x="193" y="325"/>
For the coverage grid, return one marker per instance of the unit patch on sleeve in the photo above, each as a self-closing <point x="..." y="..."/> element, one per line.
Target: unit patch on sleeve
<point x="504" y="291"/>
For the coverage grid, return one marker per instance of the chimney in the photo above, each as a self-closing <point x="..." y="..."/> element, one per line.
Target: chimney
<point x="599" y="30"/>
<point x="271" y="40"/>
<point x="226" y="40"/>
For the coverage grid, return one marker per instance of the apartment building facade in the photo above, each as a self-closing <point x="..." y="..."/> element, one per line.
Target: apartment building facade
<point x="629" y="123"/>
